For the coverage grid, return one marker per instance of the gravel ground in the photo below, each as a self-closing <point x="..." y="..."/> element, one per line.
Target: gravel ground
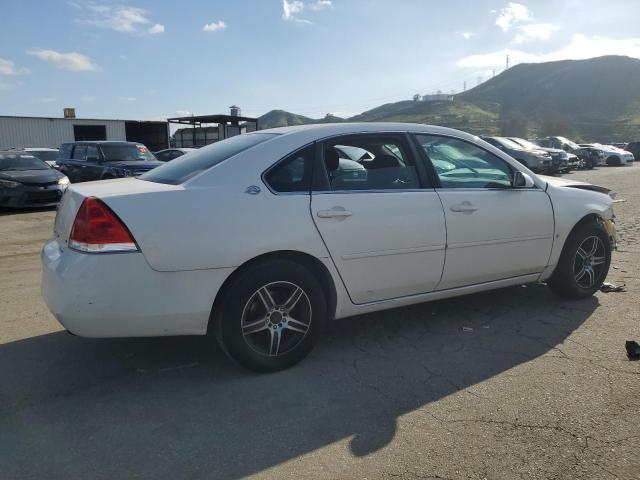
<point x="539" y="388"/>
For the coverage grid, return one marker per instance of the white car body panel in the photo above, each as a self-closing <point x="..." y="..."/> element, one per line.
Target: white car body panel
<point x="193" y="236"/>
<point x="391" y="246"/>
<point x="510" y="234"/>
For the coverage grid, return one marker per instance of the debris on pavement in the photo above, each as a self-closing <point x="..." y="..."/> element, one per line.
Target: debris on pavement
<point x="610" y="287"/>
<point x="467" y="329"/>
<point x="633" y="350"/>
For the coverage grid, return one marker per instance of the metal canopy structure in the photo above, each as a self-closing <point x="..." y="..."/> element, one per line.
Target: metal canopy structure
<point x="228" y="125"/>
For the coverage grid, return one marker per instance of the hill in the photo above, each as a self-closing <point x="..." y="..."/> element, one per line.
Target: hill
<point x="595" y="99"/>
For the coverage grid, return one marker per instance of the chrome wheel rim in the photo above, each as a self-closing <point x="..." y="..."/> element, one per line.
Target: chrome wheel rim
<point x="276" y="318"/>
<point x="589" y="262"/>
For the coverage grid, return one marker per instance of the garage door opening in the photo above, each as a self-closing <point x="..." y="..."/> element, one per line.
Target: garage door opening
<point x="154" y="135"/>
<point x="84" y="133"/>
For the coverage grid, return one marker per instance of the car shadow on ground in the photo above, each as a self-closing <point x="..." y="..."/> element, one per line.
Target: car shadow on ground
<point x="176" y="408"/>
<point x="4" y="211"/>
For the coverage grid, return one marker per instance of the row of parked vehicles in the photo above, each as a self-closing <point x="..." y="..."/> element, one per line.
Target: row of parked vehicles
<point x="32" y="177"/>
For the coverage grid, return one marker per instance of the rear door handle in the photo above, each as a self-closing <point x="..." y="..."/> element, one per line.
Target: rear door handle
<point x="335" y="212"/>
<point x="464" y="207"/>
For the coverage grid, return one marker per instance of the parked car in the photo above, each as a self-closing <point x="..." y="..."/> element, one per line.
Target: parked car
<point x="610" y="155"/>
<point x="587" y="156"/>
<point x="47" y="155"/>
<point x="171" y="153"/>
<point x="634" y="148"/>
<point x="100" y="160"/>
<point x="559" y="158"/>
<point x="537" y="160"/>
<point x="261" y="239"/>
<point x="26" y="181"/>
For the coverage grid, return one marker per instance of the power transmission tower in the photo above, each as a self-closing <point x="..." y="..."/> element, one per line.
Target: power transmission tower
<point x="464" y="86"/>
<point x="507" y="62"/>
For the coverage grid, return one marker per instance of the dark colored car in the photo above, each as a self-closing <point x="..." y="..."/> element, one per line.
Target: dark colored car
<point x="568" y="146"/>
<point x="536" y="160"/>
<point x="26" y="181"/>
<point x="559" y="158"/>
<point x="86" y="161"/>
<point x="634" y="147"/>
<point x="169" y="154"/>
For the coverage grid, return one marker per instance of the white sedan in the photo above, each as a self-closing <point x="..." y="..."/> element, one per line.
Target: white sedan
<point x="261" y="239"/>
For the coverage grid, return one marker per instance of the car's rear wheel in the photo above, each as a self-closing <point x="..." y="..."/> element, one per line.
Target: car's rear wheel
<point x="270" y="316"/>
<point x="584" y="262"/>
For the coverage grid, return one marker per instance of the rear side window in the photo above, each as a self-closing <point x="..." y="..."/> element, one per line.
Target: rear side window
<point x="80" y="152"/>
<point x="293" y="174"/>
<point x="183" y="168"/>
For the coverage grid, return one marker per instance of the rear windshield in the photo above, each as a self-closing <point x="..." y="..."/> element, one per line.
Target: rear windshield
<point x="187" y="166"/>
<point x="126" y="153"/>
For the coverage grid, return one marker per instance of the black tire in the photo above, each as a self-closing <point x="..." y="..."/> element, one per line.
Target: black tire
<point x="243" y="304"/>
<point x="567" y="280"/>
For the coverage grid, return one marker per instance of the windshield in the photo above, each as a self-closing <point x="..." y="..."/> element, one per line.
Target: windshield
<point x="508" y="143"/>
<point x="20" y="162"/>
<point x="525" y="143"/>
<point x="187" y="166"/>
<point x="568" y="142"/>
<point x="126" y="153"/>
<point x="45" y="155"/>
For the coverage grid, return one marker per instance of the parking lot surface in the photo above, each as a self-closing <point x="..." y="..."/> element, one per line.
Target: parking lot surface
<point x="514" y="383"/>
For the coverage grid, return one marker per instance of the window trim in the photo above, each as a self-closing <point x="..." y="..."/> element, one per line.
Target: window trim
<point x="402" y="136"/>
<point x="425" y="158"/>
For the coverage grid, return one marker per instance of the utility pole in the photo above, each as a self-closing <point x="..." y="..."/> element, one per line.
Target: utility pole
<point x="464" y="86"/>
<point x="494" y="73"/>
<point x="507" y="62"/>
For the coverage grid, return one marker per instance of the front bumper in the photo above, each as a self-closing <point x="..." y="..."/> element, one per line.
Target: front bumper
<point x="27" y="196"/>
<point x="120" y="295"/>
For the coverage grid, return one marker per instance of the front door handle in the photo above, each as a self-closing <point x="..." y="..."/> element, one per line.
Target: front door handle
<point x="464" y="207"/>
<point x="335" y="212"/>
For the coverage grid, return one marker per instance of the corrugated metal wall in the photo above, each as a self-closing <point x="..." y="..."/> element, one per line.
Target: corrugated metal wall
<point x="50" y="132"/>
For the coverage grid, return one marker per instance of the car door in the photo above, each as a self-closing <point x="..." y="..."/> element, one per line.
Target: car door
<point x="74" y="166"/>
<point x="381" y="222"/>
<point x="93" y="167"/>
<point x="494" y="230"/>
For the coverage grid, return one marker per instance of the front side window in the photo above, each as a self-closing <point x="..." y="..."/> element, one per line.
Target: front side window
<point x="293" y="174"/>
<point x="92" y="153"/>
<point x="460" y="164"/>
<point x="126" y="153"/>
<point x="369" y="162"/>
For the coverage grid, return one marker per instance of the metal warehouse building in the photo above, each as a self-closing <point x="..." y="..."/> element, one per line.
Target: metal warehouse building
<point x="21" y="132"/>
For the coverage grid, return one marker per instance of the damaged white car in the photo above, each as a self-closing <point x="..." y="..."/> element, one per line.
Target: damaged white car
<point x="261" y="239"/>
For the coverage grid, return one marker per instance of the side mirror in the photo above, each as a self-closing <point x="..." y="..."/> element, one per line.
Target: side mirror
<point x="522" y="180"/>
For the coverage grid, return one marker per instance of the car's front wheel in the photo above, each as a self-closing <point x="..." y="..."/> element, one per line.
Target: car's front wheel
<point x="584" y="262"/>
<point x="270" y="316"/>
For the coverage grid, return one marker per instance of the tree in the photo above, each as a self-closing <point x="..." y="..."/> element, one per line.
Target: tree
<point x="416" y="97"/>
<point x="553" y="124"/>
<point x="513" y="124"/>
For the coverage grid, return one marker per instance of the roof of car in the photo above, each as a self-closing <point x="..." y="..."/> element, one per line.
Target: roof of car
<point x="338" y="128"/>
<point x="103" y="142"/>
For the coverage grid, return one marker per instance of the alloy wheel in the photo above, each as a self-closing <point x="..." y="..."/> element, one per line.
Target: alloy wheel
<point x="276" y="318"/>
<point x="589" y="262"/>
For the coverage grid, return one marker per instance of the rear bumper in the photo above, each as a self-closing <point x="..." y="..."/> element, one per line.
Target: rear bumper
<point x="30" y="197"/>
<point x="119" y="295"/>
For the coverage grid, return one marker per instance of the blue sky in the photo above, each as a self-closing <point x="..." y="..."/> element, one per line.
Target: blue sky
<point x="142" y="59"/>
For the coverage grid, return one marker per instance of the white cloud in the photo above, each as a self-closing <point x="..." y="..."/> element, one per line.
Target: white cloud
<point x="291" y="9"/>
<point x="157" y="28"/>
<point x="127" y="99"/>
<point x="120" y="18"/>
<point x="511" y="14"/>
<point x="466" y="35"/>
<point x="214" y="26"/>
<point x="7" y="67"/>
<point x="580" y="47"/>
<point x="320" y="5"/>
<point x="5" y="86"/>
<point x="183" y="113"/>
<point x="539" y="31"/>
<point x="67" y="61"/>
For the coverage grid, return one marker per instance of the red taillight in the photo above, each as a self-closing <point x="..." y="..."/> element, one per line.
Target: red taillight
<point x="97" y="229"/>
